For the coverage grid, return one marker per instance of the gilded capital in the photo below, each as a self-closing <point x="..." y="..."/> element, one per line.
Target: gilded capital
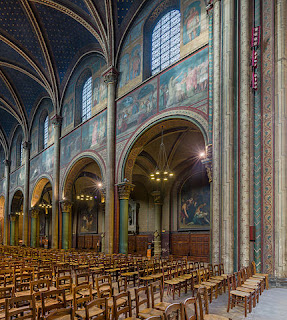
<point x="56" y="120"/>
<point x="111" y="76"/>
<point x="125" y="189"/>
<point x="66" y="205"/>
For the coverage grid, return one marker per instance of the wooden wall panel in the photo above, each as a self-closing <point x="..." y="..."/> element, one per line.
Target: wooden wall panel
<point x="88" y="241"/>
<point x="138" y="244"/>
<point x="81" y="242"/>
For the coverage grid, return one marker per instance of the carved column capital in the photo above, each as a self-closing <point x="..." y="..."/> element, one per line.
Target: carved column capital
<point x="111" y="75"/>
<point x="207" y="162"/>
<point x="66" y="205"/>
<point x="34" y="212"/>
<point x="125" y="189"/>
<point x="56" y="120"/>
<point x="7" y="163"/>
<point x="157" y="197"/>
<point x="26" y="145"/>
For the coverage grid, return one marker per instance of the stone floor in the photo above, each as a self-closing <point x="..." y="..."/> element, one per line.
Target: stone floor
<point x="272" y="305"/>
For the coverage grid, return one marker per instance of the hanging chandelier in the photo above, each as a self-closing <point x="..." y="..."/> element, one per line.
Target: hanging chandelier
<point x="84" y="197"/>
<point x="162" y="172"/>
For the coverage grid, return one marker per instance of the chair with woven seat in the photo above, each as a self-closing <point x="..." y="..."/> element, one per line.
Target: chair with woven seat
<point x="5" y="292"/>
<point x="173" y="284"/>
<point x="80" y="301"/>
<point x="156" y="291"/>
<point x="202" y="298"/>
<point x="241" y="286"/>
<point x="66" y="283"/>
<point x="142" y="298"/>
<point x="119" y="308"/>
<point x="60" y="314"/>
<point x="265" y="276"/>
<point x="236" y="297"/>
<point x="22" y="307"/>
<point x="97" y="309"/>
<point x="190" y="303"/>
<point x="52" y="300"/>
<point x="174" y="311"/>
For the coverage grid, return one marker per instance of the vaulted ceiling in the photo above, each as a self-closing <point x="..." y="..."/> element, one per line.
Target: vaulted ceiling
<point x="40" y="43"/>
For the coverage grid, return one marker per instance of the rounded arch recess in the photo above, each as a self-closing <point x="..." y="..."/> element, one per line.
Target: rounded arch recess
<point x="75" y="167"/>
<point x="135" y="144"/>
<point x="38" y="189"/>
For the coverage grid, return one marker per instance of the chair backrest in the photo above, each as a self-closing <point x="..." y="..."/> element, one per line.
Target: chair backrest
<point x="78" y="299"/>
<point x="202" y="298"/>
<point x="156" y="292"/>
<point x="221" y="268"/>
<point x="60" y="313"/>
<point x="82" y="278"/>
<point x="47" y="274"/>
<point x="122" y="284"/>
<point x="253" y="267"/>
<point x="100" y="303"/>
<point x="216" y="271"/>
<point x="142" y="297"/>
<point x="190" y="303"/>
<point x="56" y="296"/>
<point x="22" y="307"/>
<point x="174" y="308"/>
<point x="104" y="286"/>
<point x="64" y="282"/>
<point x="122" y="309"/>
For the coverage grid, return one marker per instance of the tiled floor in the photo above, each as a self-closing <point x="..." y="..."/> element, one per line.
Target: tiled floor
<point x="272" y="305"/>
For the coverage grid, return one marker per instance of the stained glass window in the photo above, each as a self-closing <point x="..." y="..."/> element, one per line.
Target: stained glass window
<point x="87" y="100"/>
<point x="21" y="154"/>
<point x="166" y="41"/>
<point x="46" y="132"/>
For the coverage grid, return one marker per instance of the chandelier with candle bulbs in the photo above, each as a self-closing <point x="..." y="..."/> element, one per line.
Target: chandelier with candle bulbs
<point x="162" y="172"/>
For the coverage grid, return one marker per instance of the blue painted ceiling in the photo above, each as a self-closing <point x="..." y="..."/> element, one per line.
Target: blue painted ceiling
<point x="25" y="25"/>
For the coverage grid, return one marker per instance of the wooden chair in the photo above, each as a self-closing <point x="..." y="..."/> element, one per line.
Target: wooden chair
<point x="236" y="297"/>
<point x="174" y="309"/>
<point x="190" y="303"/>
<point x="66" y="283"/>
<point x="119" y="308"/>
<point x="97" y="309"/>
<point x="173" y="285"/>
<point x="142" y="298"/>
<point x="254" y="291"/>
<point x="157" y="292"/>
<point x="265" y="276"/>
<point x="60" y="314"/>
<point x="5" y="292"/>
<point x="20" y="307"/>
<point x="202" y="299"/>
<point x="79" y="300"/>
<point x="52" y="300"/>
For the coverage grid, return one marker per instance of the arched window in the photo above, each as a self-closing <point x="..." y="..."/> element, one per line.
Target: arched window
<point x="87" y="99"/>
<point x="46" y="132"/>
<point x="19" y="150"/>
<point x="21" y="153"/>
<point x="165" y="41"/>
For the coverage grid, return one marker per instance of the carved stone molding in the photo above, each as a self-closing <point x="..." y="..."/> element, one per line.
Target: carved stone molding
<point x="56" y="120"/>
<point x="111" y="76"/>
<point x="34" y="212"/>
<point x="125" y="189"/>
<point x="26" y="145"/>
<point x="7" y="163"/>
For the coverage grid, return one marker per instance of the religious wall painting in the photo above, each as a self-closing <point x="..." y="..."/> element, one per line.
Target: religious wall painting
<point x="94" y="132"/>
<point x="136" y="31"/>
<point x="17" y="178"/>
<point x="137" y="107"/>
<point x="135" y="65"/>
<point x="68" y="113"/>
<point x="70" y="146"/>
<point x="2" y="185"/>
<point x="99" y="94"/>
<point x="194" y="203"/>
<point x="34" y="140"/>
<point x="42" y="163"/>
<point x="124" y="70"/>
<point x="87" y="217"/>
<point x="13" y="156"/>
<point x="191" y="22"/>
<point x="186" y="83"/>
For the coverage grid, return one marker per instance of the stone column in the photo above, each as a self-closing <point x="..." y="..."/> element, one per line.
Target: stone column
<point x="124" y="189"/>
<point x="244" y="110"/>
<point x="57" y="121"/>
<point x="110" y="76"/>
<point x="227" y="178"/>
<point x="281" y="141"/>
<point x="26" y="147"/>
<point x="34" y="225"/>
<point x="6" y="213"/>
<point x="12" y="229"/>
<point x="216" y="157"/>
<point x="66" y="224"/>
<point x="157" y="222"/>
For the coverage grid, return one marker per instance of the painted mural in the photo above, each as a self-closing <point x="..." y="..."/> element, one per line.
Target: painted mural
<point x="99" y="93"/>
<point x="17" y="178"/>
<point x="70" y="146"/>
<point x="194" y="203"/>
<point x="2" y="165"/>
<point x="68" y="113"/>
<point x="186" y="83"/>
<point x="44" y="162"/>
<point x="94" y="132"/>
<point x="191" y="22"/>
<point x="2" y="186"/>
<point x="124" y="70"/>
<point x="135" y="108"/>
<point x="88" y="218"/>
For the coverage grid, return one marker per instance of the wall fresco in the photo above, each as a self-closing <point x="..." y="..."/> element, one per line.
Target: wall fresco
<point x="191" y="22"/>
<point x="70" y="146"/>
<point x="43" y="163"/>
<point x="17" y="178"/>
<point x="186" y="83"/>
<point x="94" y="132"/>
<point x="135" y="108"/>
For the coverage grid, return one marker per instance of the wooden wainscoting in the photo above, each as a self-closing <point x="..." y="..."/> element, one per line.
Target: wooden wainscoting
<point x="89" y="241"/>
<point x="195" y="245"/>
<point x="138" y="244"/>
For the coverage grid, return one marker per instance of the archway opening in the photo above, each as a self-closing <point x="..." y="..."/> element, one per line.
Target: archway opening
<point x="16" y="218"/>
<point x="83" y="188"/>
<point x="179" y="208"/>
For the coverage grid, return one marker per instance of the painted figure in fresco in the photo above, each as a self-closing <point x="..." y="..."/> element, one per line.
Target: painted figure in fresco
<point x="95" y="133"/>
<point x="96" y="91"/>
<point x="184" y="214"/>
<point x="136" y="64"/>
<point x="200" y="217"/>
<point x="193" y="24"/>
<point x="124" y="72"/>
